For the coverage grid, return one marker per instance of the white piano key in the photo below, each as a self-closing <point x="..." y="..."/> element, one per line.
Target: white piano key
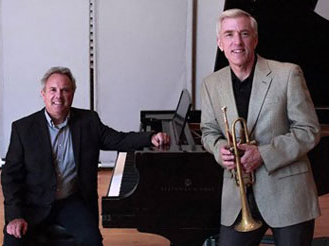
<point x="117" y="175"/>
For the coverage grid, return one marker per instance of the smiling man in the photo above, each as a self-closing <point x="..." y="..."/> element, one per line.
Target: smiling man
<point x="274" y="100"/>
<point x="58" y="95"/>
<point x="50" y="174"/>
<point x="238" y="40"/>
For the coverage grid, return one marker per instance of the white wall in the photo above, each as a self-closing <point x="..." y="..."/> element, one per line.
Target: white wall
<point x="1" y="88"/>
<point x="207" y="16"/>
<point x="142" y="58"/>
<point x="37" y="35"/>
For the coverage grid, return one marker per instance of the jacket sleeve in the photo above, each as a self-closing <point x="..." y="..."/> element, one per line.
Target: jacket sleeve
<point x="212" y="137"/>
<point x="13" y="178"/>
<point x="111" y="139"/>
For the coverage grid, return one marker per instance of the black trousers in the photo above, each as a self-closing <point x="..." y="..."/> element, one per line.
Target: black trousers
<point x="295" y="235"/>
<point x="73" y="215"/>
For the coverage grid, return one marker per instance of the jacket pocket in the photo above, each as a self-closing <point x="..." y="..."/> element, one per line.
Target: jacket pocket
<point x="271" y="100"/>
<point x="294" y="169"/>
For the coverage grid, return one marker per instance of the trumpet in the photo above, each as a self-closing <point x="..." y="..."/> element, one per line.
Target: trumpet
<point x="242" y="179"/>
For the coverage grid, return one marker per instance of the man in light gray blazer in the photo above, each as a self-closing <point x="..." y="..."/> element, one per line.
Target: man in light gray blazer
<point x="274" y="100"/>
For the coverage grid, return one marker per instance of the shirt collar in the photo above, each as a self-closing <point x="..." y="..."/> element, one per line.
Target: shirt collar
<point x="51" y="123"/>
<point x="251" y="75"/>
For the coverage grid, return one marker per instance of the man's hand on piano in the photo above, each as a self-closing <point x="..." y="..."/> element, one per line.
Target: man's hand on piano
<point x="160" y="138"/>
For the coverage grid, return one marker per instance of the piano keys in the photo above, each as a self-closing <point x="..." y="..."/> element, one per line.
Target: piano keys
<point x="116" y="181"/>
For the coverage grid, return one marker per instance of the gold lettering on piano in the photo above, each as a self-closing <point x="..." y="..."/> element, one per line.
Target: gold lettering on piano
<point x="186" y="189"/>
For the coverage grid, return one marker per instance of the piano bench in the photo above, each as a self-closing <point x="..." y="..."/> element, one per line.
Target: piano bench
<point x="53" y="235"/>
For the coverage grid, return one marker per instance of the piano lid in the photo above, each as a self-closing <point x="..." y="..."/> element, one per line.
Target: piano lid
<point x="290" y="31"/>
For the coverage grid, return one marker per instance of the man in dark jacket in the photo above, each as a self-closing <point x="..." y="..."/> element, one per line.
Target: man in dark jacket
<point x="50" y="174"/>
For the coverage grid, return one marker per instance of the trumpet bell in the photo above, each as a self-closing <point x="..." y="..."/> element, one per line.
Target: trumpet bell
<point x="247" y="225"/>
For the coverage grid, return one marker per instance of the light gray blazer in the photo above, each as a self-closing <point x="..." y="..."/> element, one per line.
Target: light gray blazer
<point x="282" y="119"/>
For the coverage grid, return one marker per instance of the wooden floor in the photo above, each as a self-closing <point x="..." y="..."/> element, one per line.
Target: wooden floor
<point x="131" y="237"/>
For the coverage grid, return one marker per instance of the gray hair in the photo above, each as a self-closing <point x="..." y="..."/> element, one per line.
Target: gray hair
<point x="58" y="70"/>
<point x="233" y="13"/>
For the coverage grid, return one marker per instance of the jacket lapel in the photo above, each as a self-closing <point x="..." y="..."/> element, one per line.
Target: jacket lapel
<point x="227" y="96"/>
<point x="261" y="84"/>
<point x="75" y="128"/>
<point x="44" y="137"/>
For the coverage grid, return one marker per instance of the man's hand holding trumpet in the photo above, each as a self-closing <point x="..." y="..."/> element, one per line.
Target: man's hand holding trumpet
<point x="250" y="158"/>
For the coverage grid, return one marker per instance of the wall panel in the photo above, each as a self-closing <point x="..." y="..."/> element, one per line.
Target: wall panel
<point x="142" y="58"/>
<point x="36" y="35"/>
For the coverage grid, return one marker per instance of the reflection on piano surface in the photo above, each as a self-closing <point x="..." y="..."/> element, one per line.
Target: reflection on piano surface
<point x="173" y="192"/>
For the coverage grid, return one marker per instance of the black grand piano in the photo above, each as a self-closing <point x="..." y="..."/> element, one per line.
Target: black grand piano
<point x="175" y="191"/>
